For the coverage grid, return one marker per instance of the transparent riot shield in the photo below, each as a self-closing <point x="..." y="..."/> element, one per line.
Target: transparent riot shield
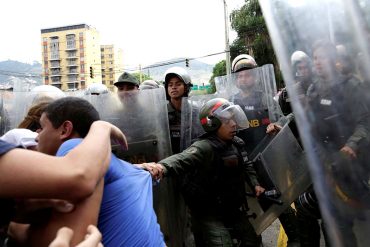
<point x="142" y="116"/>
<point x="283" y="172"/>
<point x="333" y="119"/>
<point x="191" y="128"/>
<point x="254" y="91"/>
<point x="4" y="116"/>
<point x="17" y="103"/>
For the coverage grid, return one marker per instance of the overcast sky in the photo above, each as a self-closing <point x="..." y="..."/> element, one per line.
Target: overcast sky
<point x="148" y="31"/>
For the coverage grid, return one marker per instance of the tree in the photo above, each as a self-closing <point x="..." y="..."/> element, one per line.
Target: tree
<point x="218" y="70"/>
<point x="144" y="77"/>
<point x="253" y="37"/>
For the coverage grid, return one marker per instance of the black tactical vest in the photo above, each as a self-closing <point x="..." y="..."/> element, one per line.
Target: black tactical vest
<point x="330" y="107"/>
<point x="174" y="118"/>
<point x="258" y="117"/>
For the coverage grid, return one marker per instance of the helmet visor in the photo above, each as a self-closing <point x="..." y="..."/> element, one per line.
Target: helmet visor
<point x="233" y="112"/>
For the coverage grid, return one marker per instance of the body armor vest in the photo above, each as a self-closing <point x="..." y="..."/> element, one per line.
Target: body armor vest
<point x="174" y="118"/>
<point x="258" y="117"/>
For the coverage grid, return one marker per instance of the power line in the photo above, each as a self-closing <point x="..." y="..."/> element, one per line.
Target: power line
<point x="109" y="72"/>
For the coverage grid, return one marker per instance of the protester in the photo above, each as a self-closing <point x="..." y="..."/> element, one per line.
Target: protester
<point x="134" y="222"/>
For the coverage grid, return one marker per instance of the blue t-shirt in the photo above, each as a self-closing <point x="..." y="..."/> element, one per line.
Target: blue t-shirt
<point x="126" y="217"/>
<point x="5" y="147"/>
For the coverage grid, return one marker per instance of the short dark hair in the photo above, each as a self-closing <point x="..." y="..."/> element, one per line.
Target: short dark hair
<point x="79" y="111"/>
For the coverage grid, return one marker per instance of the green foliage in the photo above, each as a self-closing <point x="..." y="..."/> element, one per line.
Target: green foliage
<point x="253" y="37"/>
<point x="218" y="70"/>
<point x="143" y="76"/>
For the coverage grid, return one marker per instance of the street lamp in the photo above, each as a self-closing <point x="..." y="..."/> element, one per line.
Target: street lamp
<point x="227" y="46"/>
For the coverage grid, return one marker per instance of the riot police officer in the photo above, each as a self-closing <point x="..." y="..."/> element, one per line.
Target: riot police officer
<point x="148" y="84"/>
<point x="329" y="102"/>
<point x="307" y="207"/>
<point x="214" y="170"/>
<point x="96" y="89"/>
<point x="252" y="101"/>
<point x="177" y="83"/>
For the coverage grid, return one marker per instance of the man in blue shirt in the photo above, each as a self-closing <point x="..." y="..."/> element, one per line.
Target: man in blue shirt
<point x="123" y="200"/>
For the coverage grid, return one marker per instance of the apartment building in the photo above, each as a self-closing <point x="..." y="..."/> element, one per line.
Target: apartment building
<point x="71" y="57"/>
<point x="111" y="64"/>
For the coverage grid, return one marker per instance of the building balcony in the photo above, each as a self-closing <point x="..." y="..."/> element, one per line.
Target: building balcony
<point x="54" y="67"/>
<point x="54" y="59"/>
<point x="55" y="75"/>
<point x="71" y="48"/>
<point x="56" y="83"/>
<point x="72" y="65"/>
<point x="72" y="73"/>
<point x="72" y="82"/>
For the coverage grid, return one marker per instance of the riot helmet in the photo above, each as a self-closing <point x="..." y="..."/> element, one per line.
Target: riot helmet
<point x="45" y="93"/>
<point x="243" y="62"/>
<point x="299" y="58"/>
<point x="148" y="84"/>
<point x="96" y="89"/>
<point x="217" y="111"/>
<point x="180" y="73"/>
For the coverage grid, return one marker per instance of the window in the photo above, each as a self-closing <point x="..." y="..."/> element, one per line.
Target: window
<point x="71" y="43"/>
<point x="82" y="68"/>
<point x="110" y="55"/>
<point x="111" y="82"/>
<point x="55" y="79"/>
<point x="71" y="54"/>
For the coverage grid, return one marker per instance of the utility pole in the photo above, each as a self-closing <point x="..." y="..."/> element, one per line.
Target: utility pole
<point x="227" y="46"/>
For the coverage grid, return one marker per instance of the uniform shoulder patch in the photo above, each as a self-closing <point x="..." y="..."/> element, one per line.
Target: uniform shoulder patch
<point x="191" y="150"/>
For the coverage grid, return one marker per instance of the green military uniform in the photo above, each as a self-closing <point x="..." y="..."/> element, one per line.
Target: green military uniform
<point x="214" y="174"/>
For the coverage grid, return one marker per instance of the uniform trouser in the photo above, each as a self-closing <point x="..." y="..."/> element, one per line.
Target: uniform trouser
<point x="213" y="231"/>
<point x="309" y="228"/>
<point x="288" y="220"/>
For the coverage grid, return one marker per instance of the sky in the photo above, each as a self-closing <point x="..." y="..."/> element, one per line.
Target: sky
<point x="147" y="31"/>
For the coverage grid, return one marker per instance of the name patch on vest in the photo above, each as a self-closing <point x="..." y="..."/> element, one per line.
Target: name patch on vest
<point x="249" y="107"/>
<point x="325" y="102"/>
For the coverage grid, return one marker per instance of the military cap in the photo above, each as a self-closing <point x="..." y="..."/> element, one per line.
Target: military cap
<point x="127" y="78"/>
